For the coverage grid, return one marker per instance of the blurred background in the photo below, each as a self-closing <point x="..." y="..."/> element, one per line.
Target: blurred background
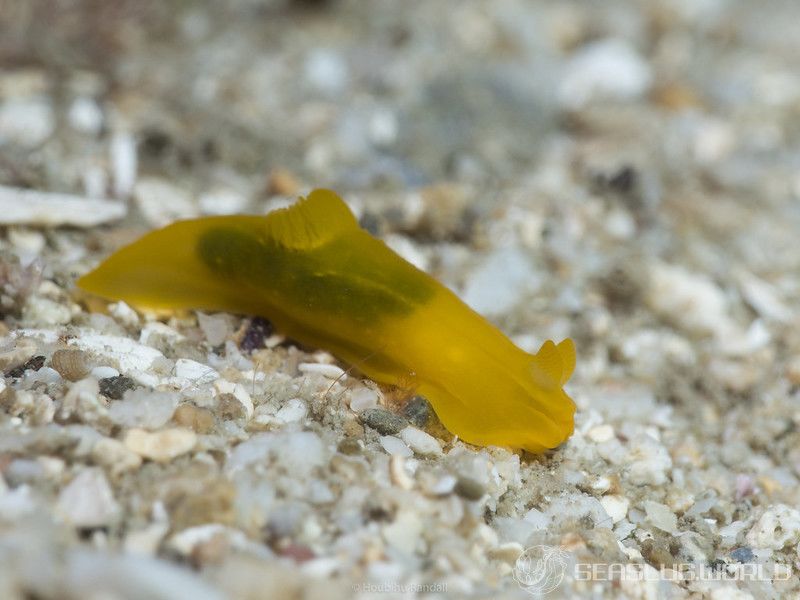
<point x="699" y="94"/>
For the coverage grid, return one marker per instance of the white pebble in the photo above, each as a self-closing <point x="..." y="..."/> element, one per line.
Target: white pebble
<point x="420" y="442"/>
<point x="649" y="461"/>
<point x="297" y="452"/>
<point x="691" y="300"/>
<point x="88" y="500"/>
<point x="395" y="446"/>
<point x="327" y="371"/>
<point x="222" y="201"/>
<point x="44" y="311"/>
<point x="661" y="516"/>
<point x="144" y="408"/>
<point x="146" y="541"/>
<point x="160" y="446"/>
<point x="162" y="202"/>
<point x="764" y="297"/>
<point x="194" y="371"/>
<point x="398" y="474"/>
<point x="49" y="209"/>
<point x="326" y="71"/>
<point x="778" y="527"/>
<point x="127" y="353"/>
<point x="186" y="540"/>
<point x="363" y="398"/>
<point x="103" y="372"/>
<point x="729" y="533"/>
<point x="124" y="163"/>
<point x="606" y="69"/>
<point x="601" y="433"/>
<point x="17" y="502"/>
<point x="26" y="121"/>
<point x="539" y="520"/>
<point x="115" y="456"/>
<point x="130" y="576"/>
<point x="28" y="244"/>
<point x="83" y="399"/>
<point x="404" y="532"/>
<point x="577" y="506"/>
<point x="294" y="410"/>
<point x="124" y="314"/>
<point x="85" y="115"/>
<point x="153" y="330"/>
<point x="616" y="506"/>
<point x="713" y="140"/>
<point x="444" y="485"/>
<point x="216" y="328"/>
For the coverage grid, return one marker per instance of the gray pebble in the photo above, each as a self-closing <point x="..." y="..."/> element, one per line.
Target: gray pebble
<point x="417" y="411"/>
<point x="469" y="488"/>
<point x="115" y="387"/>
<point x="383" y="421"/>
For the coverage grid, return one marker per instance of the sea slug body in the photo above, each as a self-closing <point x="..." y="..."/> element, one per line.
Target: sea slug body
<point x="324" y="281"/>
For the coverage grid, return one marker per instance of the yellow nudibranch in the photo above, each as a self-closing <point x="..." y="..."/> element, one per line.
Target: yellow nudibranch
<point x="324" y="281"/>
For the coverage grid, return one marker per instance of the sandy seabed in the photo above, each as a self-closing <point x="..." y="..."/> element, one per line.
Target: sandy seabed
<point x="625" y="174"/>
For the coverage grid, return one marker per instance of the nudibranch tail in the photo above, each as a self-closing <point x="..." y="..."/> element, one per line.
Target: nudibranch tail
<point x="553" y="364"/>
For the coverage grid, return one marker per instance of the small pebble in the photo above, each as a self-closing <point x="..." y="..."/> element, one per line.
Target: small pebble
<point x="34" y="207"/>
<point x="144" y="408"/>
<point x="362" y="399"/>
<point x="33" y="364"/>
<point x="601" y="433"/>
<point x="469" y="488"/>
<point x="604" y="69"/>
<point x="443" y="485"/>
<point x="282" y="182"/>
<point x="194" y="371"/>
<point x="383" y="421"/>
<point x="160" y="446"/>
<point x="294" y="410"/>
<point x="660" y="516"/>
<point x="394" y="445"/>
<point x="239" y="392"/>
<point x="46" y="312"/>
<point x="115" y="387"/>
<point x="793" y="370"/>
<point x="257" y="331"/>
<point x="124" y="314"/>
<point x="420" y="442"/>
<point x="327" y="371"/>
<point x="349" y="446"/>
<point x="398" y="473"/>
<point x="404" y="533"/>
<point x="104" y="372"/>
<point x="616" y="506"/>
<point x="13" y="356"/>
<point x="777" y="528"/>
<point x="162" y="202"/>
<point x="115" y="456"/>
<point x="216" y="328"/>
<point x="743" y="555"/>
<point x="417" y="411"/>
<point x="229" y="407"/>
<point x="88" y="500"/>
<point x="200" y="420"/>
<point x="508" y="552"/>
